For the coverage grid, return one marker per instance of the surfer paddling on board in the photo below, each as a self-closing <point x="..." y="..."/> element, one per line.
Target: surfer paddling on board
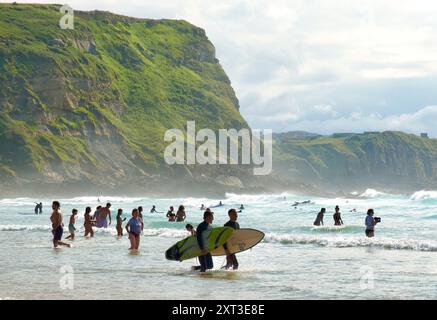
<point x="57" y="225"/>
<point x="102" y="217"/>
<point x="134" y="228"/>
<point x="180" y="215"/>
<point x="205" y="259"/>
<point x="231" y="259"/>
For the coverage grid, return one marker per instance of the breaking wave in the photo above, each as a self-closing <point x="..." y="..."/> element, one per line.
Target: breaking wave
<point x="345" y="242"/>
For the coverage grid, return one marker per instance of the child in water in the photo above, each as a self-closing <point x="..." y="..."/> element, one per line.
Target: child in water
<point x="71" y="227"/>
<point x="190" y="229"/>
<point x="119" y="226"/>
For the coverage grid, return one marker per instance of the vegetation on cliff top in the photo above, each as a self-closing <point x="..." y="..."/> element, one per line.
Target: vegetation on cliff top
<point x="115" y="79"/>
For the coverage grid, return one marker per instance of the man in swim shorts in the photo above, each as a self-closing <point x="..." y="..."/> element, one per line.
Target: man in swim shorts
<point x="57" y="225"/>
<point x="102" y="217"/>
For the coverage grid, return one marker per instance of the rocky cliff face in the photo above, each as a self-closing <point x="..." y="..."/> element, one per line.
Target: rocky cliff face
<point x="90" y="106"/>
<point x="388" y="160"/>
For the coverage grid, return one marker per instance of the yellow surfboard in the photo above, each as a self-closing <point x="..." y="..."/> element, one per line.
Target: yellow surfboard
<point x="240" y="240"/>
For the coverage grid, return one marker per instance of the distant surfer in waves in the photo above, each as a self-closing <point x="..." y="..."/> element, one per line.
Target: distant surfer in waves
<point x="102" y="217"/>
<point x="88" y="224"/>
<point x="337" y="217"/>
<point x="71" y="227"/>
<point x="319" y="218"/>
<point x="241" y="208"/>
<point x="57" y="225"/>
<point x="205" y="259"/>
<point x="202" y="207"/>
<point x="153" y="210"/>
<point x="231" y="259"/>
<point x="134" y="228"/>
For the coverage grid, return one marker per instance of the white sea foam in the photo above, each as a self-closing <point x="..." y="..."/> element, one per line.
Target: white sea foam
<point x="372" y="193"/>
<point x="423" y="195"/>
<point x="340" y="242"/>
<point x="15" y="227"/>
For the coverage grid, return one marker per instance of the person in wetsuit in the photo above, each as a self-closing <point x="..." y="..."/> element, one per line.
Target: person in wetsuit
<point x="205" y="259"/>
<point x="231" y="259"/>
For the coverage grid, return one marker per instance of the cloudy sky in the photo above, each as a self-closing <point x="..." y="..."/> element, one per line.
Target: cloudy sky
<point x="317" y="65"/>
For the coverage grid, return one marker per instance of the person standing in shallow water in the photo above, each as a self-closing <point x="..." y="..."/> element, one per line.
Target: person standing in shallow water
<point x="370" y="223"/>
<point x="57" y="225"/>
<point x="319" y="218"/>
<point x="134" y="228"/>
<point x="120" y="220"/>
<point x="88" y="224"/>
<point x="102" y="217"/>
<point x="337" y="217"/>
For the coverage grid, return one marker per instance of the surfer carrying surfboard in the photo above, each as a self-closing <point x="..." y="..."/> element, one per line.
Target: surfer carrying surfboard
<point x="231" y="259"/>
<point x="205" y="259"/>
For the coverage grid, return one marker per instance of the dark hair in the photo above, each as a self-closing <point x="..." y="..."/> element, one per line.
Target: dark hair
<point x="108" y="205"/>
<point x="98" y="207"/>
<point x="88" y="209"/>
<point x="323" y="209"/>
<point x="189" y="226"/>
<point x="56" y="204"/>
<point x="133" y="210"/>
<point x="370" y="211"/>
<point x="337" y="207"/>
<point x="140" y="209"/>
<point x="231" y="210"/>
<point x="74" y="211"/>
<point x="120" y="211"/>
<point x="207" y="214"/>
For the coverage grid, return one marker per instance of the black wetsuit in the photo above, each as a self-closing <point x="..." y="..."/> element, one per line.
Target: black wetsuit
<point x="231" y="260"/>
<point x="206" y="260"/>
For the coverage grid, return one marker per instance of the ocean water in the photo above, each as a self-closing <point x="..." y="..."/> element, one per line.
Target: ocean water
<point x="295" y="260"/>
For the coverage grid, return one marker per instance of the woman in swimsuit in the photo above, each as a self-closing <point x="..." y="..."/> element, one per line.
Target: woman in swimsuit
<point x="133" y="228"/>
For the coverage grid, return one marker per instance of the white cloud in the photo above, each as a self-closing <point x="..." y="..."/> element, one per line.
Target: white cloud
<point x="285" y="57"/>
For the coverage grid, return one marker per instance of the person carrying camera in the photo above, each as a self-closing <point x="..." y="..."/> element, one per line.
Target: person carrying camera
<point x="371" y="223"/>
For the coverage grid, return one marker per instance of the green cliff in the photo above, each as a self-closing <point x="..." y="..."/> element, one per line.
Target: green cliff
<point x="389" y="160"/>
<point x="90" y="106"/>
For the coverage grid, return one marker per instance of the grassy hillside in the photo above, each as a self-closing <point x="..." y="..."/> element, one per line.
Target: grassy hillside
<point x="387" y="159"/>
<point x="76" y="104"/>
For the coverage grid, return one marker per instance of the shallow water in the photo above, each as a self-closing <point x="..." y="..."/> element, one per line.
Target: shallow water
<point x="295" y="260"/>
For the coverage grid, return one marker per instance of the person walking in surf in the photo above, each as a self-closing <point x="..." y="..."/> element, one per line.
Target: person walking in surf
<point x="337" y="217"/>
<point x="231" y="259"/>
<point x="57" y="225"/>
<point x="134" y="228"/>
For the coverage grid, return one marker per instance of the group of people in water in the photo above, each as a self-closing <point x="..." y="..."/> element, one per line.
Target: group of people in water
<point x="135" y="226"/>
<point x="370" y="221"/>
